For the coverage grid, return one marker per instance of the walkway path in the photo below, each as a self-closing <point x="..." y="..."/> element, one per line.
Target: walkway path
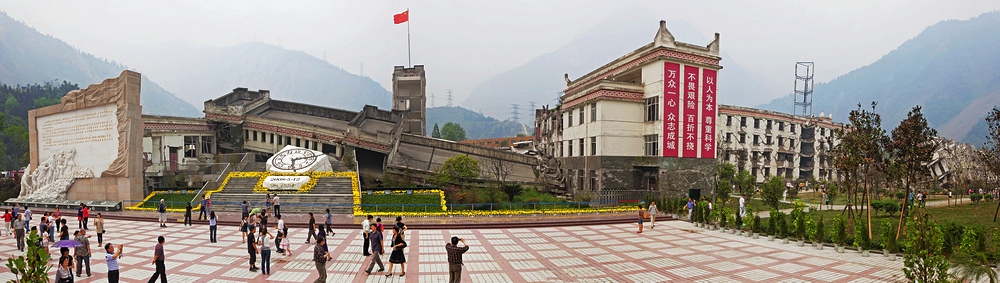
<point x="673" y="251"/>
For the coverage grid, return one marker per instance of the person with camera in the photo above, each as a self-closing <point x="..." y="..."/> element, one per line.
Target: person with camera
<point x="112" y="259"/>
<point x="455" y="259"/>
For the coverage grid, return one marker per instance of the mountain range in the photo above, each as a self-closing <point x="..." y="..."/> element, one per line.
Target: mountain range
<point x="476" y="125"/>
<point x="29" y="57"/>
<point x="950" y="69"/>
<point x="199" y="74"/>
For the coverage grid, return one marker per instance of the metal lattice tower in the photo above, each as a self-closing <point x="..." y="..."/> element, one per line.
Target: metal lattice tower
<point x="804" y="72"/>
<point x="515" y="113"/>
<point x="449" y="98"/>
<point x="531" y="111"/>
<point x="432" y="100"/>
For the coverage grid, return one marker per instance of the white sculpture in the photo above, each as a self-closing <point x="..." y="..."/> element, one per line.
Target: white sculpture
<point x="293" y="159"/>
<point x="53" y="177"/>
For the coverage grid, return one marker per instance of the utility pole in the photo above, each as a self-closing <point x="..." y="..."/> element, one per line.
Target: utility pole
<point x="432" y="100"/>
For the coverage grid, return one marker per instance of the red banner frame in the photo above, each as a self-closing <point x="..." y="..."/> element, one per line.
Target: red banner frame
<point x="709" y="106"/>
<point x="690" y="111"/>
<point x="671" y="109"/>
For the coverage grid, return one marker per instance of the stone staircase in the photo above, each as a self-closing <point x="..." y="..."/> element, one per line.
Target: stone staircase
<point x="333" y="193"/>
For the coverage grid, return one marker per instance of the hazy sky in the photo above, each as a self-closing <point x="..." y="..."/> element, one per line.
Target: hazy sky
<point x="464" y="42"/>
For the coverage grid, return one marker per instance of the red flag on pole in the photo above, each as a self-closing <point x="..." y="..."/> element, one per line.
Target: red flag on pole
<point x="401" y="17"/>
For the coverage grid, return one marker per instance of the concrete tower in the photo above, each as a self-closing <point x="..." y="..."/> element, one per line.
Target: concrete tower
<point x="409" y="93"/>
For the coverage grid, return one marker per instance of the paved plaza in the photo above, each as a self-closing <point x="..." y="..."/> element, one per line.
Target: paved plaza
<point x="673" y="251"/>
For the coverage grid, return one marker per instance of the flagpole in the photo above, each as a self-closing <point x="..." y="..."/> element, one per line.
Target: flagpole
<point x="408" y="55"/>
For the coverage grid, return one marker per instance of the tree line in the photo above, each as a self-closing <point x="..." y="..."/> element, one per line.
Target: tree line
<point x="15" y="101"/>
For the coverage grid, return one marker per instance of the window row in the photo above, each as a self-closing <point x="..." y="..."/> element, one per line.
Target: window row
<point x="278" y="139"/>
<point x="581" y="114"/>
<point x="580" y="147"/>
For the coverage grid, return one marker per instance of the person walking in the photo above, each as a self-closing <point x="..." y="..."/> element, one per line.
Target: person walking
<point x="277" y="205"/>
<point x="642" y="214"/>
<point x="245" y="209"/>
<point x="204" y="207"/>
<point x="312" y="228"/>
<point x="399" y="227"/>
<point x="397" y="256"/>
<point x="281" y="225"/>
<point x="162" y="209"/>
<point x="329" y="220"/>
<point x="112" y="260"/>
<point x="365" y="231"/>
<point x="64" y="230"/>
<point x="252" y="250"/>
<point x="27" y="217"/>
<point x="244" y="227"/>
<point x="267" y="202"/>
<point x="377" y="250"/>
<point x="286" y="245"/>
<point x="86" y="216"/>
<point x="64" y="255"/>
<point x="213" y="230"/>
<point x="7" y="217"/>
<point x="320" y="256"/>
<point x="743" y="207"/>
<point x="265" y="252"/>
<point x="187" y="214"/>
<point x="82" y="253"/>
<point x="79" y="216"/>
<point x="690" y="207"/>
<point x="158" y="258"/>
<point x="455" y="259"/>
<point x="19" y="232"/>
<point x="99" y="225"/>
<point x="652" y="214"/>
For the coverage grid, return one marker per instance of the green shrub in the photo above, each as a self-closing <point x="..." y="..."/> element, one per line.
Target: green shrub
<point x="30" y="266"/>
<point x="772" y="223"/>
<point x="952" y="236"/>
<point x="975" y="197"/>
<point x="820" y="235"/>
<point x="757" y="225"/>
<point x="799" y="224"/>
<point x="888" y="236"/>
<point x="782" y="229"/>
<point x="861" y="239"/>
<point x="839" y="233"/>
<point x="810" y="228"/>
<point x="900" y="195"/>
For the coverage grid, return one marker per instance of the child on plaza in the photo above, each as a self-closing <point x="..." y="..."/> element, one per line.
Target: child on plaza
<point x="286" y="245"/>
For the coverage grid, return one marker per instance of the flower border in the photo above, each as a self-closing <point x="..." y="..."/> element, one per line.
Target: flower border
<point x="151" y="195"/>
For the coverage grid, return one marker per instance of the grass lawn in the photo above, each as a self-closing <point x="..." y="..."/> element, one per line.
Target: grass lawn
<point x="755" y="204"/>
<point x="396" y="203"/>
<point x="175" y="200"/>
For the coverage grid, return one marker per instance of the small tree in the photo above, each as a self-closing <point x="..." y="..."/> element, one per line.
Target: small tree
<point x="771" y="192"/>
<point x="453" y="132"/>
<point x="457" y="169"/>
<point x="924" y="260"/>
<point x="512" y="191"/>
<point x="33" y="265"/>
<point x="861" y="239"/>
<point x="436" y="133"/>
<point x="888" y="236"/>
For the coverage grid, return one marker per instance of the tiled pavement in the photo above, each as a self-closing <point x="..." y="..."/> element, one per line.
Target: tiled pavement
<point x="673" y="251"/>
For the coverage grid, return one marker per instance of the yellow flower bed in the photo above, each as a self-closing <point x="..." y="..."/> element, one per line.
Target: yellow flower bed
<point x="313" y="178"/>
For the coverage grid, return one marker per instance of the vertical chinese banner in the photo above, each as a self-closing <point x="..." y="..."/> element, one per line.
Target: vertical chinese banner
<point x="691" y="117"/>
<point x="671" y="109"/>
<point x="708" y="113"/>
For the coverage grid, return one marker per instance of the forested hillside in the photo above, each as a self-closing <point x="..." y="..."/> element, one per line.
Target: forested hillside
<point x="17" y="100"/>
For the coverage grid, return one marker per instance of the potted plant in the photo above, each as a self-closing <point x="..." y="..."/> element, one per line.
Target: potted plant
<point x="756" y="226"/>
<point x="888" y="239"/>
<point x="738" y="224"/>
<point x="782" y="226"/>
<point x="811" y="230"/>
<point x="772" y="225"/>
<point x="799" y="225"/>
<point x="820" y="233"/>
<point x="861" y="239"/>
<point x="839" y="233"/>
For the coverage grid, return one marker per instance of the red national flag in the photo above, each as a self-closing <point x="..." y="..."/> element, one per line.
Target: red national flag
<point x="401" y="17"/>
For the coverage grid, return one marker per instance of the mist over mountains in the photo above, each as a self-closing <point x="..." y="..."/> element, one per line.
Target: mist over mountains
<point x="201" y="74"/>
<point x="541" y="79"/>
<point x="951" y="69"/>
<point x="29" y="57"/>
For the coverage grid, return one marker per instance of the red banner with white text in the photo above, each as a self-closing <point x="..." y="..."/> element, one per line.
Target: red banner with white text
<point x="690" y="113"/>
<point x="671" y="109"/>
<point x="709" y="105"/>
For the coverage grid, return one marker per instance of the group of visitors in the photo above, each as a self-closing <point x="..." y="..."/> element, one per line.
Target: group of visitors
<point x="255" y="230"/>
